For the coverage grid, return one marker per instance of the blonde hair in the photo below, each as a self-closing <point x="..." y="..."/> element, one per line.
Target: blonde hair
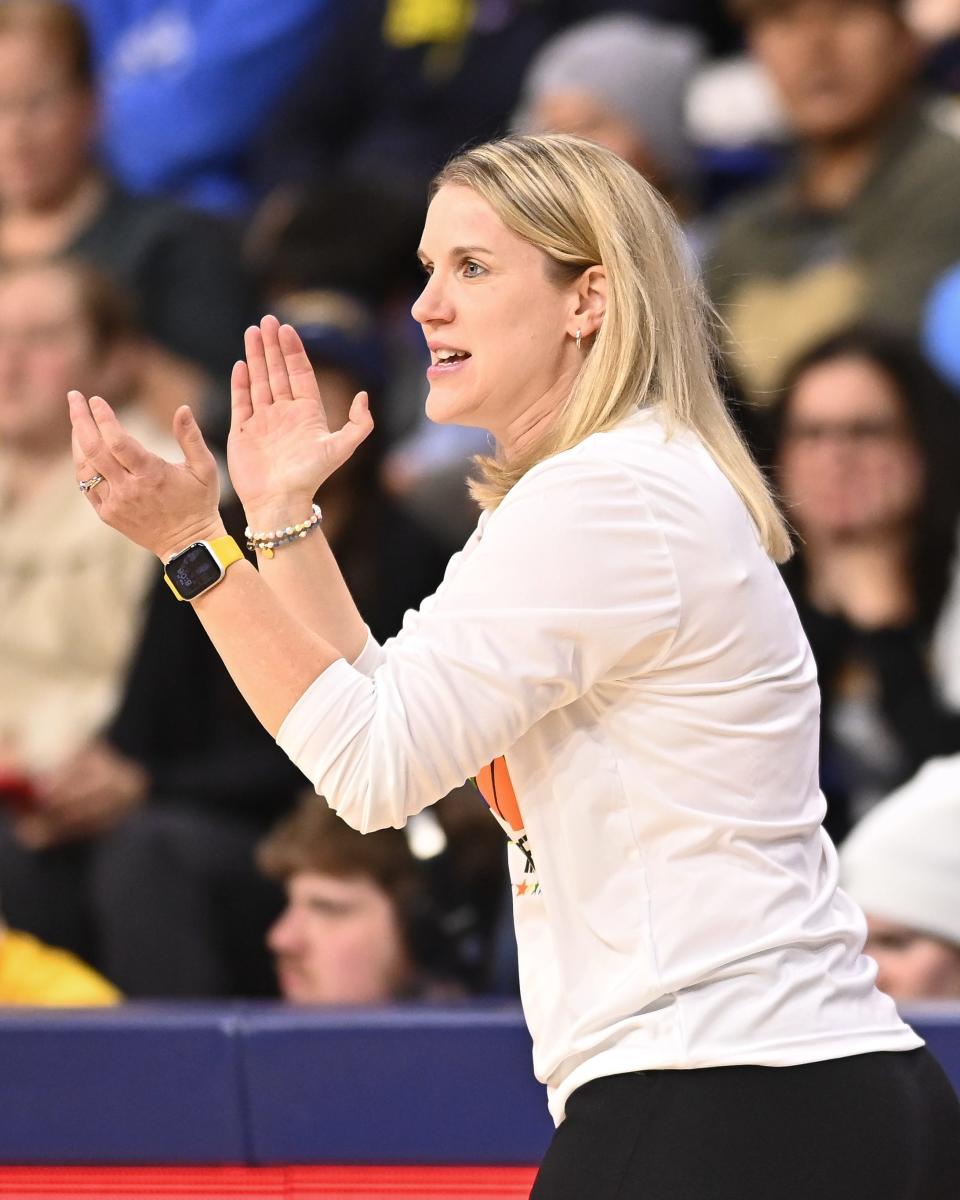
<point x="584" y="206"/>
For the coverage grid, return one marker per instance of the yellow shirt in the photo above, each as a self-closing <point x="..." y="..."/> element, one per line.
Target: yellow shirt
<point x="33" y="973"/>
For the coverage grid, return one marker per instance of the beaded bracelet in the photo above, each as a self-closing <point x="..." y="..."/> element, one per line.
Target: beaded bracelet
<point x="267" y="543"/>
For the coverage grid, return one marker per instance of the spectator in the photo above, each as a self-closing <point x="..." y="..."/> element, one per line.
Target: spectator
<point x="359" y="926"/>
<point x="148" y="868"/>
<point x="148" y="864"/>
<point x="902" y="866"/>
<point x="621" y="81"/>
<point x="397" y="87"/>
<point x="71" y="592"/>
<point x="867" y="218"/>
<point x="867" y="447"/>
<point x="35" y="974"/>
<point x="174" y="121"/>
<point x="181" y="268"/>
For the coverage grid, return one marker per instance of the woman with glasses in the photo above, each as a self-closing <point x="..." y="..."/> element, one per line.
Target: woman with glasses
<point x="867" y="445"/>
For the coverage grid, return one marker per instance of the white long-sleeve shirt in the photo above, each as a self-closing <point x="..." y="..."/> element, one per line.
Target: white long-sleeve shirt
<point x="615" y="636"/>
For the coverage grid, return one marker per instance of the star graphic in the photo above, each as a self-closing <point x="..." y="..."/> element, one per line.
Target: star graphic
<point x="522" y="888"/>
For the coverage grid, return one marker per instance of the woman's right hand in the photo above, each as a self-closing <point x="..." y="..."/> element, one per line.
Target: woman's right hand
<point x="281" y="449"/>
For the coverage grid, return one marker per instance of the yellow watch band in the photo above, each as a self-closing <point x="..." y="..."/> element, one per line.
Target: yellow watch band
<point x="224" y="549"/>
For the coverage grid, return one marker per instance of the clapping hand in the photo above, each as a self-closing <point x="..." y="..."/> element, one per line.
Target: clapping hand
<point x="281" y="448"/>
<point x="159" y="505"/>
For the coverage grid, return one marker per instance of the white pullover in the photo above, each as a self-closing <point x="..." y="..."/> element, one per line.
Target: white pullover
<point x="616" y="636"/>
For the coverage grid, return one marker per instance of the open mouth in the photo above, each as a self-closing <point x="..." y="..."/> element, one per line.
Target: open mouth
<point x="445" y="361"/>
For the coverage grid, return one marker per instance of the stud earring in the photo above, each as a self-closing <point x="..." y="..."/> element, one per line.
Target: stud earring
<point x="578" y="339"/>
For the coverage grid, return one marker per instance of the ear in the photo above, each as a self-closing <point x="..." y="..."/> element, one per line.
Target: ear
<point x="591" y="302"/>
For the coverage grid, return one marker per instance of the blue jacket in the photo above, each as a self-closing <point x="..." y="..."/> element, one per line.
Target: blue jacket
<point x="186" y="83"/>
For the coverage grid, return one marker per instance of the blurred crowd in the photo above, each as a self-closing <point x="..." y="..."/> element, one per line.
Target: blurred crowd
<point x="171" y="169"/>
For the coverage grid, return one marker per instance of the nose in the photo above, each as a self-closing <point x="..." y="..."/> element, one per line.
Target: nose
<point x="282" y="934"/>
<point x="433" y="305"/>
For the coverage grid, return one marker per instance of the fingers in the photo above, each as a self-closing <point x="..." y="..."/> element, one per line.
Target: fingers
<point x="125" y="449"/>
<point x="196" y="453"/>
<point x="90" y="453"/>
<point x="241" y="406"/>
<point x="260" y="393"/>
<point x="303" y="381"/>
<point x="276" y="363"/>
<point x="358" y="428"/>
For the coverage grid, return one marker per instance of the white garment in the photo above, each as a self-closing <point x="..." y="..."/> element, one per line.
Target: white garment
<point x="72" y="595"/>
<point x="616" y="630"/>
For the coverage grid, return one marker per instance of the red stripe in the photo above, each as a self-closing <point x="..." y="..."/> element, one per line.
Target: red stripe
<point x="276" y="1183"/>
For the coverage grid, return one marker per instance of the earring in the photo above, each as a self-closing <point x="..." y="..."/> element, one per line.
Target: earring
<point x="578" y="339"/>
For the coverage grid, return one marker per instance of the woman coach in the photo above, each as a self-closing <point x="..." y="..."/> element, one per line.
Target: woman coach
<point x="614" y="657"/>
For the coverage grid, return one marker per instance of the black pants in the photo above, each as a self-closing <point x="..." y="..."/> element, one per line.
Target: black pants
<point x="882" y="1126"/>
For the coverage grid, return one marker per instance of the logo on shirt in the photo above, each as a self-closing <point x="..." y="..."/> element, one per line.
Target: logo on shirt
<point x="496" y="787"/>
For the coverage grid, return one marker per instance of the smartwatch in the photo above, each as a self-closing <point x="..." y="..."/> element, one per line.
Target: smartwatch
<point x="200" y="567"/>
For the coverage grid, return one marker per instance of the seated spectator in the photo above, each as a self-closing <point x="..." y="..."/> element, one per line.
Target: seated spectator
<point x="902" y="866"/>
<point x="182" y="269"/>
<point x="71" y="591"/>
<point x="34" y="974"/>
<point x="621" y="81"/>
<point x="146" y="865"/>
<point x="866" y="219"/>
<point x="359" y="926"/>
<point x="399" y="87"/>
<point x="867" y="445"/>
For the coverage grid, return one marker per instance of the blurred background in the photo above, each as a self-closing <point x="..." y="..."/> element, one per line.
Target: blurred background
<point x="172" y="169"/>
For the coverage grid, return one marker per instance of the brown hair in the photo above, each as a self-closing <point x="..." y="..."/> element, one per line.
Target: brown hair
<point x="61" y="26"/>
<point x="313" y="838"/>
<point x="104" y="303"/>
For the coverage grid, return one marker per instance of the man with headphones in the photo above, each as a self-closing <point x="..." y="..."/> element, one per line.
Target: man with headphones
<point x="361" y="925"/>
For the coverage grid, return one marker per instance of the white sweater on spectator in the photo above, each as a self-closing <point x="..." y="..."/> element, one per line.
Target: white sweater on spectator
<point x="616" y="631"/>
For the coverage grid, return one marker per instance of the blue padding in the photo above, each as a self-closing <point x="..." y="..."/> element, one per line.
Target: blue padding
<point x="138" y="1084"/>
<point x="410" y="1085"/>
<point x="266" y="1084"/>
<point x="939" y="1026"/>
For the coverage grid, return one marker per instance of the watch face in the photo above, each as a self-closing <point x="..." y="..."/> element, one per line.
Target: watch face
<point x="193" y="570"/>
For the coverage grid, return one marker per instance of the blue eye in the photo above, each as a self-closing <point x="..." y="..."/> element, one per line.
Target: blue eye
<point x="472" y="269"/>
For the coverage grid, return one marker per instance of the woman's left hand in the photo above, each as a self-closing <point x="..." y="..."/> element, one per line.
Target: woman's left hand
<point x="159" y="505"/>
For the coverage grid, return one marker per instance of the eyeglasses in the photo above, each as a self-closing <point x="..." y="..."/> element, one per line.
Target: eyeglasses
<point x="864" y="433"/>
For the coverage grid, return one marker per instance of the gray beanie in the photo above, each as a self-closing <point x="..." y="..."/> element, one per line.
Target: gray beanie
<point x="640" y="68"/>
<point x="902" y="861"/>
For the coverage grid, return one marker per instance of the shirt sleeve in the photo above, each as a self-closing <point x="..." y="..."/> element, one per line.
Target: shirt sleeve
<point x="572" y="582"/>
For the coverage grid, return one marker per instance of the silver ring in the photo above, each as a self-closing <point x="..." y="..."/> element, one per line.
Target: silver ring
<point x="87" y="485"/>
